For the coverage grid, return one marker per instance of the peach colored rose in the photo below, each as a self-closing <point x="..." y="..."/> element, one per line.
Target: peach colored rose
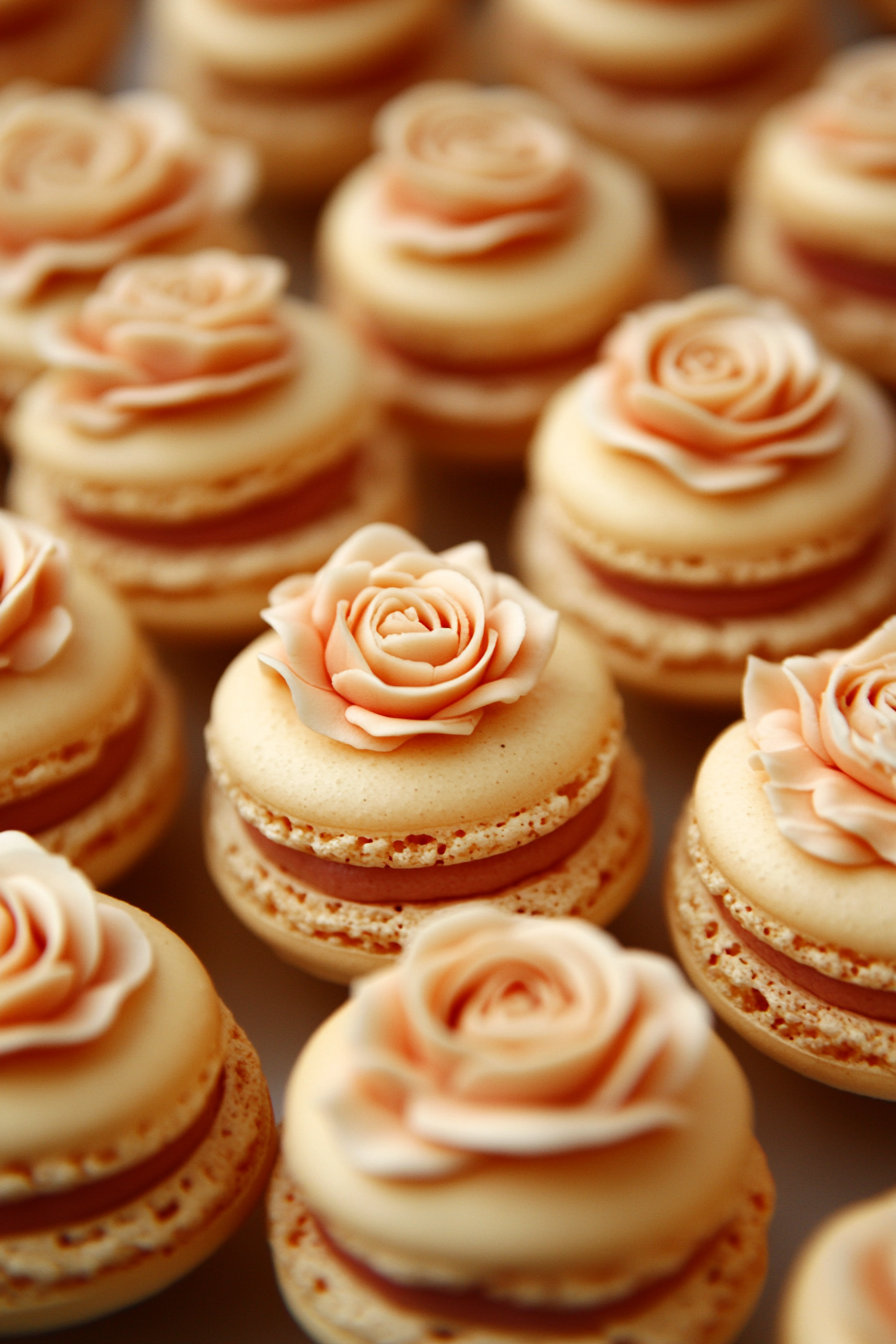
<point x="67" y="960"/>
<point x="825" y="727"/>
<point x="86" y="181"/>
<point x="501" y="1034"/>
<point x="161" y="332"/>
<point x="468" y="169"/>
<point x="34" y="621"/>
<point x="389" y="641"/>
<point x="723" y="390"/>
<point x="852" y="115"/>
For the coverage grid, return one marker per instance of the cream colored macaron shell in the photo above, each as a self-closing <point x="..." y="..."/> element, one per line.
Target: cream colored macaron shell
<point x="201" y="464"/>
<point x="92" y="1111"/>
<point x="592" y="503"/>
<point x="526" y="304"/>
<point x="525" y="770"/>
<point x="835" y="920"/>
<point x="581" y="1226"/>
<point x="56" y="721"/>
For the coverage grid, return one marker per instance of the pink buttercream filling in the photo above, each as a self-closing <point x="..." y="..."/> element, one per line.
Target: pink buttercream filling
<point x="320" y="494"/>
<point x="727" y="601"/>
<point x="876" y="1003"/>
<point x="477" y="877"/>
<point x="56" y="804"/>
<point x="89" y="1201"/>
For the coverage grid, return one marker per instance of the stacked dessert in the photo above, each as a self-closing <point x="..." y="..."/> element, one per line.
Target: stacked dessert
<point x="480" y="254"/>
<point x="716" y="486"/>
<point x="86" y="181"/>
<point x="130" y="1147"/>
<point x="90" y="752"/>
<point x="675" y="87"/>
<point x="198" y="436"/>
<point x="815" y="220"/>
<point x="782" y="878"/>
<point x="302" y="81"/>
<point x="408" y="738"/>
<point x="519" y="1131"/>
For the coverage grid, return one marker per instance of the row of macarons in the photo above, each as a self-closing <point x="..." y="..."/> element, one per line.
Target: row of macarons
<point x="519" y="1126"/>
<point x="417" y="731"/>
<point x="677" y="88"/>
<point x="479" y="254"/>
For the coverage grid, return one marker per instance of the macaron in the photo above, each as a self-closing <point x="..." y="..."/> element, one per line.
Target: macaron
<point x="66" y="43"/>
<point x="675" y="88"/>
<point x="815" y="217"/>
<point x="520" y="1130"/>
<point x="301" y="82"/>
<point x="480" y="254"/>
<point x="842" y="1289"/>
<point x="199" y="436"/>
<point x="407" y="738"/>
<point x="86" y="181"/>
<point x="90" y="737"/>
<point x="715" y="486"/>
<point x="136" y="1129"/>
<point x="781" y="878"/>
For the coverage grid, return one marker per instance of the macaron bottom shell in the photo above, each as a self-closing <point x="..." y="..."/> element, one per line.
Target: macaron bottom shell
<point x="338" y="939"/>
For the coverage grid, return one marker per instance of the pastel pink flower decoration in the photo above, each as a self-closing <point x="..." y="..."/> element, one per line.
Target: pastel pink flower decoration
<point x="852" y="114"/>
<point x="67" y="960"/>
<point x="86" y="181"/>
<point x="723" y="390"/>
<point x="34" y="622"/>
<point x="389" y="641"/>
<point x="825" y="727"/>
<point x="165" y="332"/>
<point x="499" y="1034"/>
<point x="468" y="169"/>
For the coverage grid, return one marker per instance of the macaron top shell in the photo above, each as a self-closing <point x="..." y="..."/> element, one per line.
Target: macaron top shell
<point x="815" y="198"/>
<point x="90" y="688"/>
<point x="304" y="421"/>
<point x="595" y="1212"/>
<point x="302" y="43"/>
<point x="516" y="757"/>
<point x="671" y="44"/>
<point x="518" y="303"/>
<point x="837" y="906"/>
<point x="635" y="505"/>
<point x="85" y="1111"/>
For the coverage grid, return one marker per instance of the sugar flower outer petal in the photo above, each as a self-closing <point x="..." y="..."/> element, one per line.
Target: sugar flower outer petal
<point x="86" y="181"/>
<point x="389" y="641"/>
<point x="498" y="1035"/>
<point x="164" y="332"/>
<point x="851" y="115"/>
<point x="466" y="170"/>
<point x="35" y="623"/>
<point x="825" y="729"/>
<point x="67" y="960"/>
<point x="722" y="390"/>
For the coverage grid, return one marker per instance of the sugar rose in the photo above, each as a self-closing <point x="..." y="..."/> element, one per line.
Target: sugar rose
<point x="67" y="960"/>
<point x="86" y="181"/>
<point x="499" y="1034"/>
<point x="852" y="115"/>
<point x="34" y="621"/>
<point x="826" y="731"/>
<point x="162" y="332"/>
<point x="467" y="169"/>
<point x="723" y="390"/>
<point x="389" y="641"/>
